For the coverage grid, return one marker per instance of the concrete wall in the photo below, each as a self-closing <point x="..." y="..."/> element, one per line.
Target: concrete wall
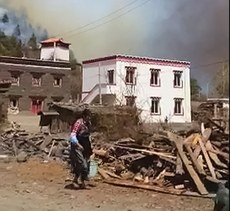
<point x="142" y="89"/>
<point x="60" y="53"/>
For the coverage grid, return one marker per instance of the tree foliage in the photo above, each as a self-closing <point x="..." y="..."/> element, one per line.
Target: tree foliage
<point x="221" y="81"/>
<point x="10" y="46"/>
<point x="195" y="89"/>
<point x="32" y="43"/>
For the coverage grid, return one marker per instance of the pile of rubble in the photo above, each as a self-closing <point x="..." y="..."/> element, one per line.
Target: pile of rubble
<point x="171" y="163"/>
<point x="17" y="142"/>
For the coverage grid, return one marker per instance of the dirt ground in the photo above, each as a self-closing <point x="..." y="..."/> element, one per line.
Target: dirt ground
<point x="40" y="186"/>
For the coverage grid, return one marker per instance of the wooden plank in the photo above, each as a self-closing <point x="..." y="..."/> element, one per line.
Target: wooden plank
<point x="206" y="157"/>
<point x="103" y="174"/>
<point x="200" y="186"/>
<point x="179" y="165"/>
<point x="148" y="152"/>
<point x="194" y="160"/>
<point x="213" y="156"/>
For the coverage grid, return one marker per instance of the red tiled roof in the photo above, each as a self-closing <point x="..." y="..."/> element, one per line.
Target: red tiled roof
<point x="138" y="59"/>
<point x="54" y="39"/>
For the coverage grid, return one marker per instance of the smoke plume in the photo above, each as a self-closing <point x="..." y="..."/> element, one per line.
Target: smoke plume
<point x="18" y="26"/>
<point x="197" y="31"/>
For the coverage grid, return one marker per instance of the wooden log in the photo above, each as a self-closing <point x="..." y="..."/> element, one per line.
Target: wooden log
<point x="179" y="165"/>
<point x="223" y="154"/>
<point x="103" y="174"/>
<point x="15" y="148"/>
<point x="158" y="189"/>
<point x="200" y="186"/>
<point x="206" y="157"/>
<point x="101" y="152"/>
<point x="145" y="187"/>
<point x="194" y="160"/>
<point x="148" y="152"/>
<point x="213" y="156"/>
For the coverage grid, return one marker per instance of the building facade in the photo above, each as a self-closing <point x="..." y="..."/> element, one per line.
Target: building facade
<point x="159" y="88"/>
<point x="35" y="82"/>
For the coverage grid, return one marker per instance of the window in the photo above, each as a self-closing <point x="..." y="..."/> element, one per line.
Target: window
<point x="130" y="75"/>
<point x="111" y="76"/>
<point x="178" y="109"/>
<point x="155" y="105"/>
<point x="57" y="82"/>
<point x="15" y="80"/>
<point x="130" y="101"/>
<point x="13" y="103"/>
<point x="36" y="80"/>
<point x="155" y="79"/>
<point x="178" y="79"/>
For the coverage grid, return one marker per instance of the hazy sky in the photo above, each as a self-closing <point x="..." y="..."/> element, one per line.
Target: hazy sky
<point x="193" y="30"/>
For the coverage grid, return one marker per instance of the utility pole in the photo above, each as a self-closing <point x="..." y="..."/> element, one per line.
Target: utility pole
<point x="99" y="83"/>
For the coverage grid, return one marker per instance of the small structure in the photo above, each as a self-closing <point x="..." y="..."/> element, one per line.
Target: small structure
<point x="55" y="49"/>
<point x="49" y="119"/>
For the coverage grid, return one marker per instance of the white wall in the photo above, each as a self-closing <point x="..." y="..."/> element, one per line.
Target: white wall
<point x="143" y="91"/>
<point x="61" y="53"/>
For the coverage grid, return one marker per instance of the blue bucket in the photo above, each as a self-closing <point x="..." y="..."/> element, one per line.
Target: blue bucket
<point x="92" y="168"/>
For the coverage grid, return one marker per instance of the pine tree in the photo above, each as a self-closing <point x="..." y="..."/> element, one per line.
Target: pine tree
<point x="5" y="18"/>
<point x="32" y="42"/>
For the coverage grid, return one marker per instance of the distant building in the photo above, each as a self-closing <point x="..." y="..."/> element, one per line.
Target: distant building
<point x="35" y="82"/>
<point x="55" y="49"/>
<point x="158" y="87"/>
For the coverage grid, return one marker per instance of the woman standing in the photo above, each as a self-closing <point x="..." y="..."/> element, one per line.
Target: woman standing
<point x="81" y="149"/>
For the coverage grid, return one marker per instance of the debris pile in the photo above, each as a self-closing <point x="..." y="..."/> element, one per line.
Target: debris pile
<point x="171" y="163"/>
<point x="17" y="142"/>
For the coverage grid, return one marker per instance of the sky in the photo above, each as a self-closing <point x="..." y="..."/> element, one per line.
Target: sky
<point x="195" y="31"/>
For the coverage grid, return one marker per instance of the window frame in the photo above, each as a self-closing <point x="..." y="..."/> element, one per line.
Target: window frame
<point x="155" y="99"/>
<point x="35" y="76"/>
<point x="130" y="98"/>
<point x="152" y="72"/>
<point x="57" y="77"/>
<point x="130" y="69"/>
<point x="180" y="73"/>
<point x="113" y="77"/>
<point x="176" y="100"/>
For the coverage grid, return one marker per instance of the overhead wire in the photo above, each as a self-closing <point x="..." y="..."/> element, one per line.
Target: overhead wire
<point x="99" y="19"/>
<point x="112" y="19"/>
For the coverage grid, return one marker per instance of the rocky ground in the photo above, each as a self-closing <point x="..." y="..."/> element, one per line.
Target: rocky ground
<point x="35" y="185"/>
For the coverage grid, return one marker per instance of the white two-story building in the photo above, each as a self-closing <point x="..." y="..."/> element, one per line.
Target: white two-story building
<point x="160" y="88"/>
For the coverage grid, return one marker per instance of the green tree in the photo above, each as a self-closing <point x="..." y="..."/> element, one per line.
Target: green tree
<point x="195" y="89"/>
<point x="5" y="18"/>
<point x="32" y="43"/>
<point x="221" y="81"/>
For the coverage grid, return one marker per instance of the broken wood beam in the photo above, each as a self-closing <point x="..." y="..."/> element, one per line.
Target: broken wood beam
<point x="206" y="157"/>
<point x="148" y="152"/>
<point x="200" y="186"/>
<point x="194" y="160"/>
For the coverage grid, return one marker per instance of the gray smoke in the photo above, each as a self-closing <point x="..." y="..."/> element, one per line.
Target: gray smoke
<point x="17" y="25"/>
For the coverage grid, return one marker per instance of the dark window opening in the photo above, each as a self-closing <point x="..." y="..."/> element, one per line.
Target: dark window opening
<point x="177" y="79"/>
<point x="130" y="75"/>
<point x="111" y="76"/>
<point x="178" y="109"/>
<point x="155" y="105"/>
<point x="57" y="82"/>
<point x="130" y="101"/>
<point x="36" y="80"/>
<point x="155" y="79"/>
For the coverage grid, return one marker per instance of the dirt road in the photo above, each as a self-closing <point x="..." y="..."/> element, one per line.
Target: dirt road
<point x="41" y="186"/>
